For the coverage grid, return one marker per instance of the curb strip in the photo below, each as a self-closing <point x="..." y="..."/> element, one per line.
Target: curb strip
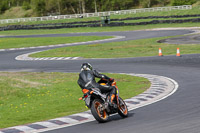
<point x="161" y="88"/>
<point x="25" y="57"/>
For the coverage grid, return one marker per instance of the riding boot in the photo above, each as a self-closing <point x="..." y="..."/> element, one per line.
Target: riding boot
<point x="111" y="100"/>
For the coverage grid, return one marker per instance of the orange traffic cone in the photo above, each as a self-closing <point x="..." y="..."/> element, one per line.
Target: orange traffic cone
<point x="178" y="52"/>
<point x="160" y="52"/>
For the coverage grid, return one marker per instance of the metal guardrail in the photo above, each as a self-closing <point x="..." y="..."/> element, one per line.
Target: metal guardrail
<point x="98" y="14"/>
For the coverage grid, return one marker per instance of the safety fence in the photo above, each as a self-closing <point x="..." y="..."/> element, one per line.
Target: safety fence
<point x="98" y="14"/>
<point x="98" y="24"/>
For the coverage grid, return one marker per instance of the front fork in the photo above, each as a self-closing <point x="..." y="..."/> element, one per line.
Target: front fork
<point x="117" y="96"/>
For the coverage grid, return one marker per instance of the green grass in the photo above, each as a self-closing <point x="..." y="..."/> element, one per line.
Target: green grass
<point x="44" y="41"/>
<point x="30" y="97"/>
<point x="194" y="10"/>
<point x="135" y="48"/>
<point x="97" y="29"/>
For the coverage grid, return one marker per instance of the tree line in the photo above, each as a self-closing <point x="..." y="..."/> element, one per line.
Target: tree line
<point x="59" y="7"/>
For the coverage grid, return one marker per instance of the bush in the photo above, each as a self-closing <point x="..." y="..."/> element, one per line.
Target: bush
<point x="26" y="5"/>
<point x="197" y="4"/>
<point x="182" y="2"/>
<point x="3" y="7"/>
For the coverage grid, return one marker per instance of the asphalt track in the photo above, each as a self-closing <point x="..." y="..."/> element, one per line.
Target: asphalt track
<point x="179" y="113"/>
<point x="192" y="39"/>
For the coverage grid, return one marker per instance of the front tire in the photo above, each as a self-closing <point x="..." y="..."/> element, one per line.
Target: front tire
<point x="97" y="111"/>
<point x="122" y="108"/>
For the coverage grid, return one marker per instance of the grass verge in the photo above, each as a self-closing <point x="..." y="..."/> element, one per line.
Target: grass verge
<point x="135" y="48"/>
<point x="6" y="43"/>
<point x="30" y="97"/>
<point x="194" y="10"/>
<point x="96" y="29"/>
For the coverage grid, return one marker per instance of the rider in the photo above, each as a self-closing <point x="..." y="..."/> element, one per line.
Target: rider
<point x="87" y="81"/>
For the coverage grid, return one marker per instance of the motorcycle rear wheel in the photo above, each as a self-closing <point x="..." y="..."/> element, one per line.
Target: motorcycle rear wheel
<point x="122" y="108"/>
<point x="97" y="111"/>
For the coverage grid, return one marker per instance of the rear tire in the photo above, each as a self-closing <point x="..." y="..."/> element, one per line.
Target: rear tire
<point x="99" y="114"/>
<point x="122" y="109"/>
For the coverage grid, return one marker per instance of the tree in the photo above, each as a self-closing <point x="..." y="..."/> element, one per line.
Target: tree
<point x="46" y="7"/>
<point x="83" y="6"/>
<point x="26" y="5"/>
<point x="182" y="2"/>
<point x="95" y="6"/>
<point x="39" y="7"/>
<point x="51" y="6"/>
<point x="4" y="6"/>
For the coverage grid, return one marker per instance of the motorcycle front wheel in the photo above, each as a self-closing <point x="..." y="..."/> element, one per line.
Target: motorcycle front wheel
<point x="98" y="111"/>
<point x="122" y="108"/>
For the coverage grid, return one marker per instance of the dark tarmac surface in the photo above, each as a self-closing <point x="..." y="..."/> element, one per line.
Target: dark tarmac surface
<point x="179" y="113"/>
<point x="191" y="39"/>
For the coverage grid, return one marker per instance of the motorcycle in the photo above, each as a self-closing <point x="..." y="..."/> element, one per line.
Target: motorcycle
<point x="98" y="102"/>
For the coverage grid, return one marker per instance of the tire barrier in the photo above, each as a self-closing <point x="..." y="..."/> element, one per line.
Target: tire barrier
<point x="153" y="17"/>
<point x="98" y="24"/>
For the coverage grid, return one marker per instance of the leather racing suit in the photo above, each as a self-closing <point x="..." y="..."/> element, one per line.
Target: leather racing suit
<point x="87" y="81"/>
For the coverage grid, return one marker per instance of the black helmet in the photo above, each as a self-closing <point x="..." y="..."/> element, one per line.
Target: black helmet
<point x="86" y="66"/>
